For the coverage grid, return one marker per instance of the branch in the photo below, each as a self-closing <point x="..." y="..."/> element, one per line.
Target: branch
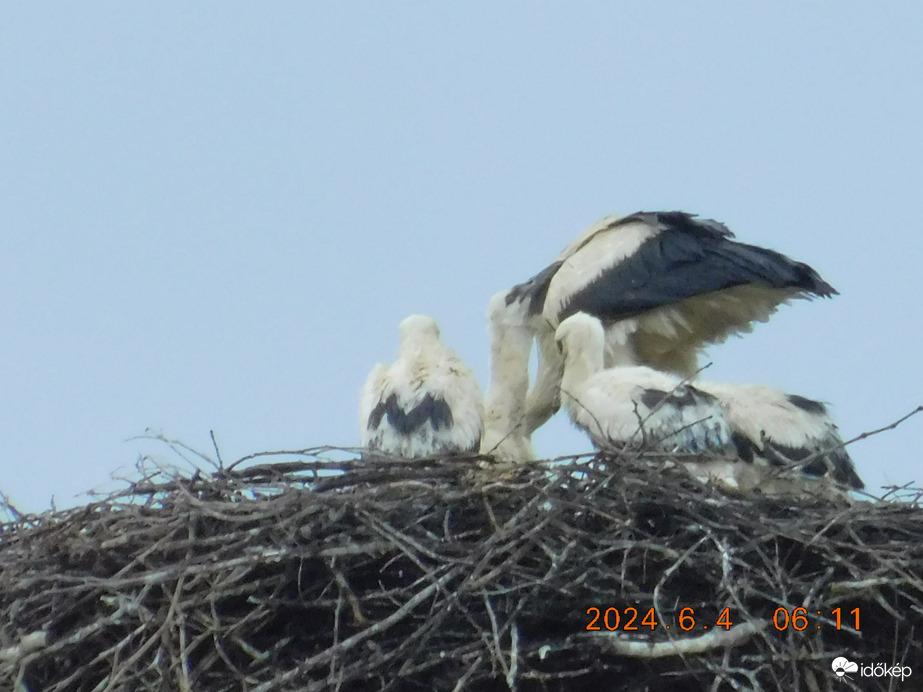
<point x="679" y="647"/>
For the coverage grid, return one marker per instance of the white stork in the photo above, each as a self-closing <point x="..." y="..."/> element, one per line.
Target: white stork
<point x="781" y="432"/>
<point x="780" y="443"/>
<point x="637" y="407"/>
<point x="666" y="285"/>
<point x="425" y="403"/>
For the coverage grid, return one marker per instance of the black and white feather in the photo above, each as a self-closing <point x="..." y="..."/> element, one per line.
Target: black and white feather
<point x="780" y="443"/>
<point x="638" y="408"/>
<point x="427" y="402"/>
<point x="665" y="284"/>
<point x="782" y="433"/>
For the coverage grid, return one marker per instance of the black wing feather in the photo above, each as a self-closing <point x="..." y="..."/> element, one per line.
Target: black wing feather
<point x="534" y="290"/>
<point x="431" y="409"/>
<point x="835" y="463"/>
<point x="689" y="257"/>
<point x="809" y="405"/>
<point x="679" y="397"/>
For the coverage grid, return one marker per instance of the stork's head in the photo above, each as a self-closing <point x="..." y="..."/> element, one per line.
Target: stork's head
<point x="501" y="312"/>
<point x="417" y="327"/>
<point x="580" y="333"/>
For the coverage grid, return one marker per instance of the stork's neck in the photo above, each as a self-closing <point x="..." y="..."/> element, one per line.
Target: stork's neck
<point x="580" y="364"/>
<point x="417" y="342"/>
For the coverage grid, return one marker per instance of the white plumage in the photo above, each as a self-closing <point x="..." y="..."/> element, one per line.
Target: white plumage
<point x="781" y="432"/>
<point x="637" y="407"/>
<point x="780" y="443"/>
<point x="427" y="402"/>
<point x="505" y="434"/>
<point x="665" y="284"/>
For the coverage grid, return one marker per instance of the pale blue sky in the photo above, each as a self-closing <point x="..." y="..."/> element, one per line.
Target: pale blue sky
<point x="214" y="215"/>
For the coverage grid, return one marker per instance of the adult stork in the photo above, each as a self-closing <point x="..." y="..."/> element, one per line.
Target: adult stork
<point x="666" y="285"/>
<point x="780" y="443"/>
<point x="425" y="403"/>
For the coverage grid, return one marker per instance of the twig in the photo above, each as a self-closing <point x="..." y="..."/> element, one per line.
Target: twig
<point x="716" y="639"/>
<point x="27" y="644"/>
<point x="349" y="643"/>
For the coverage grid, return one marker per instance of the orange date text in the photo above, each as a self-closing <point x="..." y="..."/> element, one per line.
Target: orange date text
<point x="630" y="619"/>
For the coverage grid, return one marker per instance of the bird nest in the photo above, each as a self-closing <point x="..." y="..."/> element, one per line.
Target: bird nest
<point x="583" y="573"/>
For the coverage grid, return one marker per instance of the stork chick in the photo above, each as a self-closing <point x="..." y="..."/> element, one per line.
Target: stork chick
<point x="427" y="402"/>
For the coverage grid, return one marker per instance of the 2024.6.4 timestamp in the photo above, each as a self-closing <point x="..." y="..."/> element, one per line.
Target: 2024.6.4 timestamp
<point x="626" y="619"/>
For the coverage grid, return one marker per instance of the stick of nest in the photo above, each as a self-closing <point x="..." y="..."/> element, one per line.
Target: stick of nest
<point x="717" y="639"/>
